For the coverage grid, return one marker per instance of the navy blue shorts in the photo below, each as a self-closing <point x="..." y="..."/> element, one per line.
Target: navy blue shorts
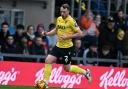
<point x="63" y="54"/>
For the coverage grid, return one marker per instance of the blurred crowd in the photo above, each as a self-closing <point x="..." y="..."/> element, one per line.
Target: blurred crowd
<point x="26" y="41"/>
<point x="102" y="38"/>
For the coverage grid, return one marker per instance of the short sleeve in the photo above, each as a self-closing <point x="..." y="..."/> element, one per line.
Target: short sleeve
<point x="74" y="25"/>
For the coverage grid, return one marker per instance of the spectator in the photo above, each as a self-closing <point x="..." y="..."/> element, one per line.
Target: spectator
<point x="4" y="33"/>
<point x="52" y="39"/>
<point x="19" y="34"/>
<point x="89" y="27"/>
<point x="108" y="33"/>
<point x="120" y="20"/>
<point x="120" y="40"/>
<point x="78" y="50"/>
<point x="38" y="47"/>
<point x="29" y="35"/>
<point x="121" y="27"/>
<point x="85" y="20"/>
<point x="38" y="33"/>
<point x="98" y="20"/>
<point x="10" y="46"/>
<point x="107" y="53"/>
<point x="25" y="47"/>
<point x="91" y="52"/>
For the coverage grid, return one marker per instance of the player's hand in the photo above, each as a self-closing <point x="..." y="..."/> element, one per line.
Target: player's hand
<point x="43" y="33"/>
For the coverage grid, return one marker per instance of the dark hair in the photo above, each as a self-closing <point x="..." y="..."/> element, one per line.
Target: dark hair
<point x="10" y="36"/>
<point x="51" y="26"/>
<point x="107" y="46"/>
<point x="30" y="26"/>
<point x="66" y="6"/>
<point x="40" y="25"/>
<point x="4" y="23"/>
<point x="20" y="26"/>
<point x="120" y="10"/>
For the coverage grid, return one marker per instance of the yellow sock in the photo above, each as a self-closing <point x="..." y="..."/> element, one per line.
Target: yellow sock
<point x="47" y="71"/>
<point x="76" y="69"/>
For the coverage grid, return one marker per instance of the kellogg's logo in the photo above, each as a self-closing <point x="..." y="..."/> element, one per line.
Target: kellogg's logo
<point x="109" y="79"/>
<point x="5" y="77"/>
<point x="66" y="81"/>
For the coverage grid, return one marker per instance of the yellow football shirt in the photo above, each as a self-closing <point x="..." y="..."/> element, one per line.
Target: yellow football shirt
<point x="66" y="27"/>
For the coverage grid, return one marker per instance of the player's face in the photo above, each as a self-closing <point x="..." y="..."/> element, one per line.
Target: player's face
<point x="64" y="12"/>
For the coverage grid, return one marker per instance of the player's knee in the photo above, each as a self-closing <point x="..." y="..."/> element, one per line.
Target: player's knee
<point x="48" y="61"/>
<point x="66" y="69"/>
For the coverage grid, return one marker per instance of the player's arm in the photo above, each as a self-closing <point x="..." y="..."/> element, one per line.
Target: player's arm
<point x="77" y="34"/>
<point x="52" y="32"/>
<point x="75" y="28"/>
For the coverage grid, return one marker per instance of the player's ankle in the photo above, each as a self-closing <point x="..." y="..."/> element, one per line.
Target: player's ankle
<point x="85" y="71"/>
<point x="46" y="81"/>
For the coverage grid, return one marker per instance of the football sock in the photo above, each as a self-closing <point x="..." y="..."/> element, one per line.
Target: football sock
<point x="76" y="69"/>
<point x="47" y="71"/>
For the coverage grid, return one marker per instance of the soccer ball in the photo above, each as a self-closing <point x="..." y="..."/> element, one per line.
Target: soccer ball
<point x="41" y="84"/>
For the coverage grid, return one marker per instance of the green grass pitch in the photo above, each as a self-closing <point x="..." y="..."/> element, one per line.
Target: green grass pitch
<point x="24" y="87"/>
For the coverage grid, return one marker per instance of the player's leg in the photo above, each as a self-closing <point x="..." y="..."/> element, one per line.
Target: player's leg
<point x="78" y="70"/>
<point x="47" y="72"/>
<point x="48" y="67"/>
<point x="51" y="58"/>
<point x="73" y="68"/>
